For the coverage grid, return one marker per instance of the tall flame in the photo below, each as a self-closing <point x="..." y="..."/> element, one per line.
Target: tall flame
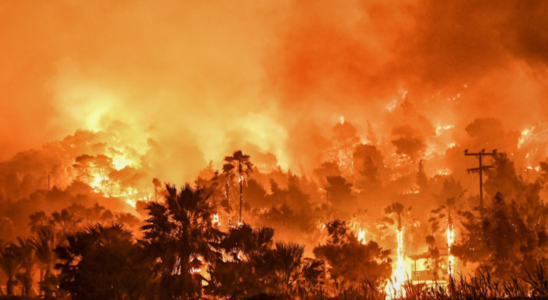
<point x="394" y="287"/>
<point x="450" y="257"/>
<point x="361" y="236"/>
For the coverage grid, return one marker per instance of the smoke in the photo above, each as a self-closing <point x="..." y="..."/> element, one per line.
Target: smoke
<point x="198" y="80"/>
<point x="454" y="62"/>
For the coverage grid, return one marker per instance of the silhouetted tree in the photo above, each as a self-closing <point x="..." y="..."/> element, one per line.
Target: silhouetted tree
<point x="506" y="239"/>
<point x="408" y="142"/>
<point x="45" y="243"/>
<point x="368" y="163"/>
<point x="178" y="237"/>
<point x="351" y="262"/>
<point x="104" y="263"/>
<point x="27" y="256"/>
<point x="340" y="194"/>
<point x="233" y="274"/>
<point x="10" y="265"/>
<point x="238" y="167"/>
<point x="326" y="169"/>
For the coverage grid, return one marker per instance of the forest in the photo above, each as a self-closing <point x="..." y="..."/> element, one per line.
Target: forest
<point x="351" y="231"/>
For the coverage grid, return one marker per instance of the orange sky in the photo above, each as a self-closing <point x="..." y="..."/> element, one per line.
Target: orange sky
<point x="210" y="77"/>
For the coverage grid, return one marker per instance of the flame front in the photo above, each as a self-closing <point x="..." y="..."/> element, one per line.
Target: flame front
<point x="450" y="258"/>
<point x="394" y="287"/>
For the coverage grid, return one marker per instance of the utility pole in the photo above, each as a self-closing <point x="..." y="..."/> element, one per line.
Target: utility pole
<point x="49" y="173"/>
<point x="481" y="168"/>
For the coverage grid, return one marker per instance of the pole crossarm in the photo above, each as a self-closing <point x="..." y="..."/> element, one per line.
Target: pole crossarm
<point x="475" y="170"/>
<point x="480" y="169"/>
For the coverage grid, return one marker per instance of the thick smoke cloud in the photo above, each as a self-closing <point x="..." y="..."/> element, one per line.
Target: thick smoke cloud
<point x="186" y="74"/>
<point x="454" y="62"/>
<point x="202" y="79"/>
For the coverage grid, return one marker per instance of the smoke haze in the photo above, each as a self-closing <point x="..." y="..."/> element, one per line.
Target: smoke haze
<point x="202" y="79"/>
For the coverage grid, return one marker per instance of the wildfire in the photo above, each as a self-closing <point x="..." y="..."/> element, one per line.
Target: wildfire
<point x="451" y="259"/>
<point x="216" y="220"/>
<point x="525" y="136"/>
<point x="444" y="172"/>
<point x="361" y="236"/>
<point x="394" y="287"/>
<point x="440" y="129"/>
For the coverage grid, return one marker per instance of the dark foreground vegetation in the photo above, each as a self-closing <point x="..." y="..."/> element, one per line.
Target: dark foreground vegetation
<point x="180" y="253"/>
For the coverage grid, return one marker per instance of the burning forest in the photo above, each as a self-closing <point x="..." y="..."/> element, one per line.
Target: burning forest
<point x="274" y="150"/>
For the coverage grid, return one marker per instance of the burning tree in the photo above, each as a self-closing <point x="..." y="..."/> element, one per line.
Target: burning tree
<point x="443" y="221"/>
<point x="351" y="262"/>
<point x="397" y="218"/>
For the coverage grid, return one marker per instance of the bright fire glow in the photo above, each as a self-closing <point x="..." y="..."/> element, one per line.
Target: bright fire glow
<point x="361" y="236"/>
<point x="131" y="202"/>
<point x="451" y="259"/>
<point x="216" y="221"/>
<point x="394" y="287"/>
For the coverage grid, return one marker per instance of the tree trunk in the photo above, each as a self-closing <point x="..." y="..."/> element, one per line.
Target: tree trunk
<point x="27" y="283"/>
<point x="10" y="285"/>
<point x="48" y="293"/>
<point x="241" y="200"/>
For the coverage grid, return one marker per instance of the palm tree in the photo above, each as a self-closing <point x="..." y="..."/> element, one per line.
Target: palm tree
<point x="238" y="166"/>
<point x="443" y="220"/>
<point x="65" y="221"/>
<point x="246" y="266"/>
<point x="27" y="256"/>
<point x="179" y="236"/>
<point x="288" y="260"/>
<point x="38" y="221"/>
<point x="10" y="265"/>
<point x="396" y="217"/>
<point x="45" y="245"/>
<point x="104" y="262"/>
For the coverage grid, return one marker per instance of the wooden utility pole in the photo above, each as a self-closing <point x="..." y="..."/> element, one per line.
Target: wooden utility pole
<point x="481" y="168"/>
<point x="49" y="174"/>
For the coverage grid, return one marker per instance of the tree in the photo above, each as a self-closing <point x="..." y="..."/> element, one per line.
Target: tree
<point x="65" y="221"/>
<point x="45" y="245"/>
<point x="178" y="236"/>
<point x="443" y="220"/>
<point x="84" y="165"/>
<point x="370" y="180"/>
<point x="252" y="265"/>
<point x="238" y="167"/>
<point x="397" y="218"/>
<point x="38" y="220"/>
<point x="104" y="262"/>
<point x="368" y="165"/>
<point x="351" y="262"/>
<point x="89" y="166"/>
<point x="27" y="257"/>
<point x="409" y="142"/>
<point x="233" y="273"/>
<point x="506" y="239"/>
<point x="339" y="192"/>
<point x="285" y="261"/>
<point x="10" y="265"/>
